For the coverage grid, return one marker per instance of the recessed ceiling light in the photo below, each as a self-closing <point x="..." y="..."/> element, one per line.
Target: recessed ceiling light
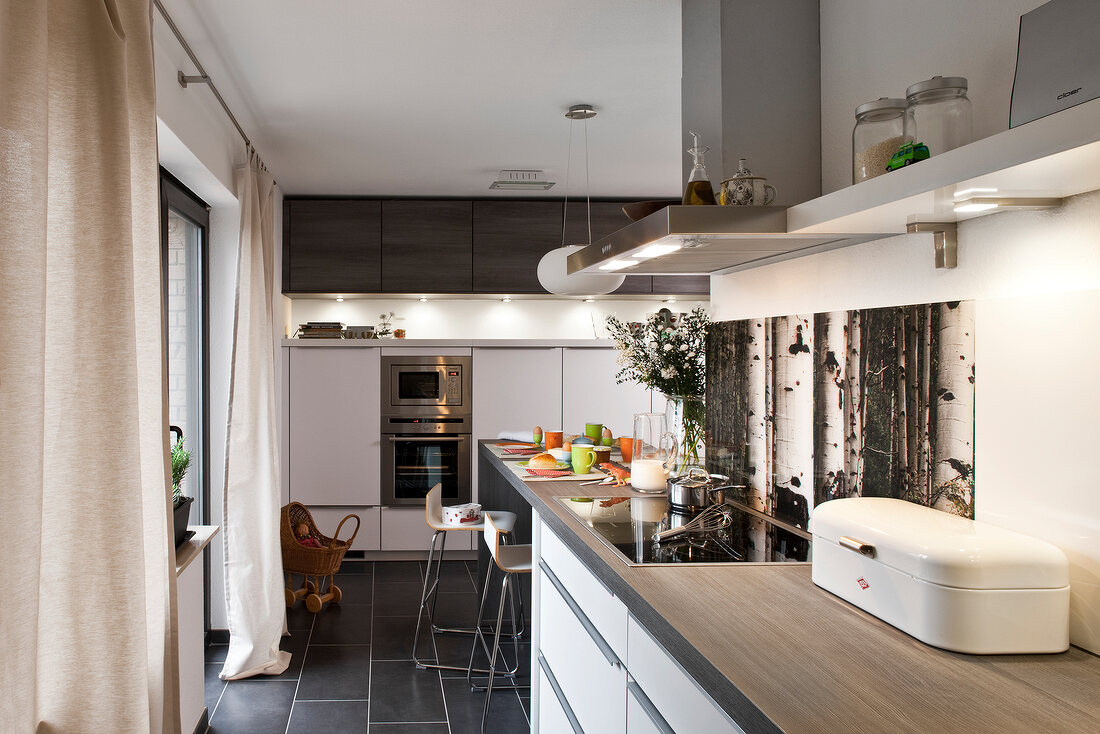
<point x="618" y="264"/>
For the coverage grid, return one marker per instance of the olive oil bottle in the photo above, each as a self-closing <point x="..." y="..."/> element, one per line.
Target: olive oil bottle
<point x="698" y="189"/>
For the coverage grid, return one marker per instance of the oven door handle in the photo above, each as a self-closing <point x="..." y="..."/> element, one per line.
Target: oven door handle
<point x="440" y="439"/>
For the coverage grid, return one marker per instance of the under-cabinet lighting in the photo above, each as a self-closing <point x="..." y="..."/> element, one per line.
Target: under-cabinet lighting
<point x="670" y="300"/>
<point x="618" y="264"/>
<point x="340" y="299"/>
<point x="974" y="190"/>
<point x="985" y="203"/>
<point x="589" y="300"/>
<point x="423" y="299"/>
<point x="657" y="251"/>
<point x="506" y="300"/>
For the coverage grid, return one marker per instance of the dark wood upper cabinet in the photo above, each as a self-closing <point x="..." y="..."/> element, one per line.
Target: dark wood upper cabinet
<point x="682" y="284"/>
<point x="332" y="245"/>
<point x="607" y="217"/>
<point x="426" y="246"/>
<point x="510" y="237"/>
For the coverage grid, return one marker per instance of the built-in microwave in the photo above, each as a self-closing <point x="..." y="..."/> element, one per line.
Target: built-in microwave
<point x="420" y="382"/>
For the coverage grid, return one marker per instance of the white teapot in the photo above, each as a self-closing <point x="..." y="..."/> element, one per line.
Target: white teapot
<point x="745" y="189"/>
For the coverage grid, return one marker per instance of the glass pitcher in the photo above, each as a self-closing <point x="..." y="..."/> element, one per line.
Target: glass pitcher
<point x="654" y="452"/>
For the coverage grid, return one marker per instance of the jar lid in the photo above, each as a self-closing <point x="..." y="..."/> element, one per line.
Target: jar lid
<point x="937" y="82"/>
<point x="882" y="103"/>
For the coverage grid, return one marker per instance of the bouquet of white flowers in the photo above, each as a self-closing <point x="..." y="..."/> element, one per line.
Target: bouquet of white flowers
<point x="669" y="355"/>
<point x="663" y="354"/>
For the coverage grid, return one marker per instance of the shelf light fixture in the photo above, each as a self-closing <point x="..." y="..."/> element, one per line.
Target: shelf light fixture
<point x="506" y="299"/>
<point x="589" y="299"/>
<point x="618" y="264"/>
<point x="423" y="299"/>
<point x="656" y="250"/>
<point x="339" y="299"/>
<point x="991" y="203"/>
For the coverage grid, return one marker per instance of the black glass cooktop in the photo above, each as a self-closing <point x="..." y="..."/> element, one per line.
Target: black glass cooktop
<point x="627" y="525"/>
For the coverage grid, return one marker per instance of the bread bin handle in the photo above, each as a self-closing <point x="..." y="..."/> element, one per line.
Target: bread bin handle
<point x="858" y="546"/>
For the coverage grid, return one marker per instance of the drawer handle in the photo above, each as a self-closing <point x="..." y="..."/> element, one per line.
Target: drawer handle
<point x="601" y="643"/>
<point x="858" y="546"/>
<point x="560" y="696"/>
<point x="649" y="709"/>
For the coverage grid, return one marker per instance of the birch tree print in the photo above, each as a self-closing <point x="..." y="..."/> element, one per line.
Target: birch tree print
<point x="873" y="402"/>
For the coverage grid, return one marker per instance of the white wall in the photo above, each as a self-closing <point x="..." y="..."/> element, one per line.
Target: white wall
<point x="469" y="319"/>
<point x="1035" y="277"/>
<point x="200" y="147"/>
<point x="877" y="48"/>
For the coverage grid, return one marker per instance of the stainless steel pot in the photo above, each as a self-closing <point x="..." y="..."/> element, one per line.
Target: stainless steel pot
<point x="697" y="490"/>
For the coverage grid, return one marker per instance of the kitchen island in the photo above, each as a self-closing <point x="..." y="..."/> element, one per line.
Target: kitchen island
<point x="777" y="653"/>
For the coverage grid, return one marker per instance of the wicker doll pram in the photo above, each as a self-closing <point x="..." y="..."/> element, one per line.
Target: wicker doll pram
<point x="313" y="564"/>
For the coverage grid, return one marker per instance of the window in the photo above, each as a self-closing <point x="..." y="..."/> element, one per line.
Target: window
<point x="185" y="221"/>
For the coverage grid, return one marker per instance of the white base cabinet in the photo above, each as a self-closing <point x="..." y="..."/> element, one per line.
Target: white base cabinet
<point x="598" y="670"/>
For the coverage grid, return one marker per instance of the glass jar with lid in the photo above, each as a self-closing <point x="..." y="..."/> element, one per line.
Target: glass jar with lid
<point x="879" y="132"/>
<point x="938" y="113"/>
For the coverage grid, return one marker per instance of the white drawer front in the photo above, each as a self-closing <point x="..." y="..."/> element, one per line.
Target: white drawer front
<point x="606" y="612"/>
<point x="553" y="718"/>
<point x="593" y="687"/>
<point x="674" y="693"/>
<point x="641" y="716"/>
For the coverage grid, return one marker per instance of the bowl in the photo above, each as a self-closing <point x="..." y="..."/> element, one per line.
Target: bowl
<point x="641" y="209"/>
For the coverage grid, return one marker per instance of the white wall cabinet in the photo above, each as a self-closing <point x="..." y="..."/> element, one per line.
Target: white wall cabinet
<point x="589" y="392"/>
<point x="334" y="434"/>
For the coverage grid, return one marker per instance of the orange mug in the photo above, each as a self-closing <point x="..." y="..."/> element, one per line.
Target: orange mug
<point x="626" y="448"/>
<point x="552" y="439"/>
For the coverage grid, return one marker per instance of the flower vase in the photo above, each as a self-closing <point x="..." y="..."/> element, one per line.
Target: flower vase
<point x="685" y="416"/>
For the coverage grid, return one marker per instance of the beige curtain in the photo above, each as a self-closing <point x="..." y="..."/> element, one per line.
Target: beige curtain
<point x="253" y="562"/>
<point x="87" y="640"/>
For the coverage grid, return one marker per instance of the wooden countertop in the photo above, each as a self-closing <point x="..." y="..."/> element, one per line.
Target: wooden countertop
<point x="781" y="654"/>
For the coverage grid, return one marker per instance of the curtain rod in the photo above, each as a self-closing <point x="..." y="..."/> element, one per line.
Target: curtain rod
<point x="203" y="77"/>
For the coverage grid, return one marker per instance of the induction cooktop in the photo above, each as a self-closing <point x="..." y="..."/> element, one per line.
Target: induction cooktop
<point x="626" y="525"/>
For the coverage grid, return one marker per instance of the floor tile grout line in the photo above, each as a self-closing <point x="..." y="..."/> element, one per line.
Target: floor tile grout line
<point x="370" y="653"/>
<point x="298" y="683"/>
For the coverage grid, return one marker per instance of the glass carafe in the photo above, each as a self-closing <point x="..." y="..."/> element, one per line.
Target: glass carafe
<point x="654" y="453"/>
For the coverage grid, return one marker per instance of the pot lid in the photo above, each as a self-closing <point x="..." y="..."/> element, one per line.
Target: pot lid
<point x="697" y="477"/>
<point x="881" y="104"/>
<point x="942" y="548"/>
<point x="937" y="82"/>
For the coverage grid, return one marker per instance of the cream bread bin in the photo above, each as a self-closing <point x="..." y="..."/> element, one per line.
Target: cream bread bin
<point x="950" y="582"/>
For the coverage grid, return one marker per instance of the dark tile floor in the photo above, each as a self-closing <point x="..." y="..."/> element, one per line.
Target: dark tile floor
<point x="351" y="667"/>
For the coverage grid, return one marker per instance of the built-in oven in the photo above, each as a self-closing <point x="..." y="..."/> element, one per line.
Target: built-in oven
<point x="426" y="425"/>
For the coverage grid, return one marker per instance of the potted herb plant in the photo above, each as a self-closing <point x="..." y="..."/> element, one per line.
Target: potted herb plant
<point x="181" y="506"/>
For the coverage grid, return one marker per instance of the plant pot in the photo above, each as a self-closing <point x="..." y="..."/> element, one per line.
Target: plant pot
<point x="179" y="519"/>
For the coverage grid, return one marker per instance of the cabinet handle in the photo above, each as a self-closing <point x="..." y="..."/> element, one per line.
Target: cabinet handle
<point x="650" y="710"/>
<point x="561" y="696"/>
<point x="401" y="439"/>
<point x="601" y="643"/>
<point x="858" y="546"/>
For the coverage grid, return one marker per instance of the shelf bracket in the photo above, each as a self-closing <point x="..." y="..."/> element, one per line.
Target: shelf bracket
<point x="946" y="241"/>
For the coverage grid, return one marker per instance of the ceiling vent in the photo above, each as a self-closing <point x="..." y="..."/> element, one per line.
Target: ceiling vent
<point x="521" y="180"/>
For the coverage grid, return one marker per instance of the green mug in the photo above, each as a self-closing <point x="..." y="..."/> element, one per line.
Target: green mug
<point x="583" y="458"/>
<point x="594" y="431"/>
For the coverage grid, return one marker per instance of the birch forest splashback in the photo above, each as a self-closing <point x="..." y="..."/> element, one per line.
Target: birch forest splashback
<point x="876" y="402"/>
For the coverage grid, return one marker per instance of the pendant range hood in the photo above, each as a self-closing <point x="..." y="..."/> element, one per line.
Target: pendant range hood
<point x="705" y="240"/>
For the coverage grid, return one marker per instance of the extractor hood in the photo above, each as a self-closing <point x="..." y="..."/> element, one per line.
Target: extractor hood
<point x="700" y="240"/>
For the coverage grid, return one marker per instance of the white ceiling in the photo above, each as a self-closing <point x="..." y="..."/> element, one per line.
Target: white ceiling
<point x="434" y="97"/>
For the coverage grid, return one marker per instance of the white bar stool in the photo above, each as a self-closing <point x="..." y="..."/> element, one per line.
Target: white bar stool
<point x="433" y="515"/>
<point x="512" y="560"/>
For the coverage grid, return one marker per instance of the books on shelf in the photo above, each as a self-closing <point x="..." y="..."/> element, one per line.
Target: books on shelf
<point x="321" y="330"/>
